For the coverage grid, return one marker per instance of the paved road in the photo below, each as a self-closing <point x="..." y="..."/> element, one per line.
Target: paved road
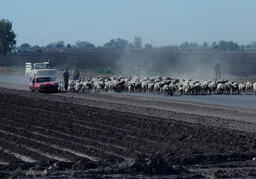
<point x="244" y="101"/>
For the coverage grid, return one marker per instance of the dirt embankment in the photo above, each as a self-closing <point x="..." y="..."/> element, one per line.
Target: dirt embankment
<point x="90" y="135"/>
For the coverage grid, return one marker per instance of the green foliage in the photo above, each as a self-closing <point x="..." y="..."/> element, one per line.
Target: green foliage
<point x="137" y="42"/>
<point x="59" y="44"/>
<point x="189" y="45"/>
<point x="83" y="70"/>
<point x="102" y="71"/>
<point x="148" y="47"/>
<point x="117" y="44"/>
<point x="7" y="37"/>
<point x="99" y="70"/>
<point x="228" y="46"/>
<point x="25" y="45"/>
<point x="109" y="72"/>
<point x="84" y="44"/>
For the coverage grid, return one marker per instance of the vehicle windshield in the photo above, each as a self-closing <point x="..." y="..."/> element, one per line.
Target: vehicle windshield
<point x="43" y="79"/>
<point x="46" y="73"/>
<point x="40" y="66"/>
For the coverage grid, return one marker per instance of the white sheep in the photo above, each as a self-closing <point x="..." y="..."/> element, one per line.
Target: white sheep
<point x="150" y="87"/>
<point x="241" y="88"/>
<point x="144" y="86"/>
<point x="254" y="88"/>
<point x="248" y="88"/>
<point x="220" y="88"/>
<point x="157" y="88"/>
<point x="212" y="87"/>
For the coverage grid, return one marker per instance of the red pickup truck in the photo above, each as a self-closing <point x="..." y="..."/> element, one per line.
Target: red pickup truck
<point x="43" y="84"/>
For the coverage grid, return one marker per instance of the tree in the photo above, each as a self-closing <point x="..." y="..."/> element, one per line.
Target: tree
<point x="131" y="45"/>
<point x="205" y="45"/>
<point x="214" y="44"/>
<point x="184" y="45"/>
<point x="68" y="46"/>
<point x="228" y="46"/>
<point x="25" y="46"/>
<point x="117" y="44"/>
<point x="7" y="37"/>
<point x="60" y="44"/>
<point x="51" y="45"/>
<point x="148" y="47"/>
<point x="137" y="42"/>
<point x="84" y="44"/>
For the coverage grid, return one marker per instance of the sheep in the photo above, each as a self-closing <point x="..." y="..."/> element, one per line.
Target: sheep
<point x="78" y="86"/>
<point x="220" y="88"/>
<point x="157" y="88"/>
<point x="234" y="88"/>
<point x="61" y="86"/>
<point x="254" y="88"/>
<point x="119" y="86"/>
<point x="241" y="88"/>
<point x="150" y="87"/>
<point x="204" y="87"/>
<point x="71" y="85"/>
<point x="98" y="85"/>
<point x="186" y="88"/>
<point x="137" y="86"/>
<point x="172" y="88"/>
<point x="248" y="88"/>
<point x="158" y="85"/>
<point x="131" y="88"/>
<point x="228" y="87"/>
<point x="86" y="86"/>
<point x="212" y="87"/>
<point x="144" y="86"/>
<point x="196" y="90"/>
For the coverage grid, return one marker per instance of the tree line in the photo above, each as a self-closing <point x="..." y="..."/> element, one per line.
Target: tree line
<point x="8" y="44"/>
<point x="7" y="37"/>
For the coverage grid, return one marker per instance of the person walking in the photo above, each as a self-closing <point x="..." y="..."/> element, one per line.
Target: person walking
<point x="76" y="73"/>
<point x="137" y="70"/>
<point x="66" y="77"/>
<point x="217" y="69"/>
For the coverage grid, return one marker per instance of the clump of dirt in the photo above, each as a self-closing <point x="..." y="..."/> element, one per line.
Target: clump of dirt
<point x="153" y="164"/>
<point x="204" y="159"/>
<point x="88" y="164"/>
<point x="144" y="164"/>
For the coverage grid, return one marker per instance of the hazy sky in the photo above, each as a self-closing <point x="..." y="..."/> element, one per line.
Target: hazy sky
<point x="161" y="22"/>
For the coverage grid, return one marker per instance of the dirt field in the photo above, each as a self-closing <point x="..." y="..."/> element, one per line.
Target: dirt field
<point x="118" y="135"/>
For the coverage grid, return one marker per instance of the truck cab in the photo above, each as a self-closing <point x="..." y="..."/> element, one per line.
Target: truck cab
<point x="39" y="70"/>
<point x="43" y="84"/>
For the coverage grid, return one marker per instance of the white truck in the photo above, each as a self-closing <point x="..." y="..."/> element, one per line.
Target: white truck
<point x="40" y="70"/>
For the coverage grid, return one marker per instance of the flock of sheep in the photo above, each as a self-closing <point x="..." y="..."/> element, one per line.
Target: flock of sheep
<point x="164" y="86"/>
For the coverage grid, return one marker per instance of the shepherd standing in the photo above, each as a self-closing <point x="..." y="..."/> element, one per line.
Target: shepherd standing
<point x="66" y="76"/>
<point x="217" y="69"/>
<point x="76" y="73"/>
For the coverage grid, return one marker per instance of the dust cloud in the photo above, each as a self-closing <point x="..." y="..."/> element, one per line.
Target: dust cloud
<point x="186" y="65"/>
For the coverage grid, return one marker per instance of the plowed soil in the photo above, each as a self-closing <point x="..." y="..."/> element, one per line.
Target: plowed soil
<point x="118" y="135"/>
